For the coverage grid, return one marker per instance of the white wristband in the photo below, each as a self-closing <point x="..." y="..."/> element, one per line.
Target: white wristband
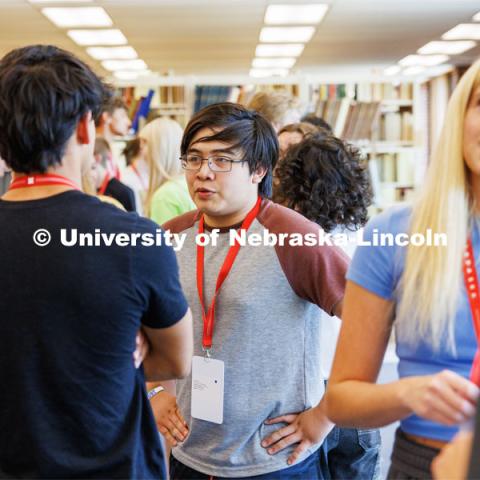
<point x="154" y="391"/>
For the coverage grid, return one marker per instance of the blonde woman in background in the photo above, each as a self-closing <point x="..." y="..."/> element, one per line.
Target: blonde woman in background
<point x="167" y="194"/>
<point x="279" y="108"/>
<point x="420" y="291"/>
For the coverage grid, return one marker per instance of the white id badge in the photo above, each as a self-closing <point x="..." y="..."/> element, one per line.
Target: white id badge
<point x="207" y="389"/>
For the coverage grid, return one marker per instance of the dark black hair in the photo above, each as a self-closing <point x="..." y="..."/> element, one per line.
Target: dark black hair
<point x="44" y="92"/>
<point x="326" y="181"/>
<point x="317" y="121"/>
<point x="244" y="129"/>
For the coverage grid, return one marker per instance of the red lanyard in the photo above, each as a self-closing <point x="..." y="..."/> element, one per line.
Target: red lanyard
<point x="473" y="293"/>
<point x="39" y="180"/>
<point x="104" y="184"/>
<point x="209" y="317"/>
<point x="112" y="168"/>
<point x="134" y="168"/>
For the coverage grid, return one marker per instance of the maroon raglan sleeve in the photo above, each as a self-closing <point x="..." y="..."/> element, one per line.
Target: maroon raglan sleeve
<point x="182" y="222"/>
<point x="315" y="273"/>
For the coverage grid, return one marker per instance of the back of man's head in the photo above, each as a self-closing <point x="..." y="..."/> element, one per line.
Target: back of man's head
<point x="114" y="111"/>
<point x="244" y="129"/>
<point x="44" y="92"/>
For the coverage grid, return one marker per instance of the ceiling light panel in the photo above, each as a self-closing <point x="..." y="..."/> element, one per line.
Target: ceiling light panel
<point x="393" y="70"/>
<point x="131" y="75"/>
<point x="413" y="70"/>
<point x="262" y="73"/>
<point x="463" y="31"/>
<point x="286" y="34"/>
<point x="78" y="17"/>
<point x="447" y="48"/>
<point x="60" y="1"/>
<point x="279" y="50"/>
<point x="126" y="75"/>
<point x="124" y="65"/>
<point x="273" y="62"/>
<point x="112" y="53"/>
<point x="423" y="60"/>
<point x="97" y="37"/>
<point x="295" y="14"/>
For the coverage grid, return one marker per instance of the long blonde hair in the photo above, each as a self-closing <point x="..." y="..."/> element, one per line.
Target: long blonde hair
<point x="163" y="137"/>
<point x="432" y="277"/>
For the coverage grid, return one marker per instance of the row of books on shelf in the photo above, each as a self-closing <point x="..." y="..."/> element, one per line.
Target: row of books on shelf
<point x="396" y="126"/>
<point x="171" y="94"/>
<point x="208" y="94"/>
<point x="164" y="96"/>
<point x="369" y="92"/>
<point x="396" y="168"/>
<point x="332" y="90"/>
<point x="393" y="177"/>
<point x="365" y="92"/>
<point x="349" y="119"/>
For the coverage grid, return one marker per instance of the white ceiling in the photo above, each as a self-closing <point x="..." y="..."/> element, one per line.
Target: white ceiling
<point x="214" y="37"/>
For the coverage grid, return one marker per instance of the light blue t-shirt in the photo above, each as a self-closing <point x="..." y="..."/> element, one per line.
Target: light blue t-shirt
<point x="379" y="269"/>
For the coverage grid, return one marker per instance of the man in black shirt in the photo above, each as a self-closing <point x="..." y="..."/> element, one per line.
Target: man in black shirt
<point x="106" y="184"/>
<point x="72" y="403"/>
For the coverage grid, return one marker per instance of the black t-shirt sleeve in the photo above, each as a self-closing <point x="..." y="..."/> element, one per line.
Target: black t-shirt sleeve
<point x="156" y="277"/>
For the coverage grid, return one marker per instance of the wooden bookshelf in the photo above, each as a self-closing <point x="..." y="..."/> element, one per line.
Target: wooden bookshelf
<point x="168" y="101"/>
<point x="378" y="118"/>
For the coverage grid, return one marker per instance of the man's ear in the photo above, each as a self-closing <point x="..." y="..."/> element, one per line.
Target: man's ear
<point x="83" y="129"/>
<point x="258" y="175"/>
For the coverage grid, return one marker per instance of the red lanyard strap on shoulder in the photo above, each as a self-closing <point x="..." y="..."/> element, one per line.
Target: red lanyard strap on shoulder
<point x="473" y="293"/>
<point x="209" y="316"/>
<point x="40" y="180"/>
<point x="104" y="184"/>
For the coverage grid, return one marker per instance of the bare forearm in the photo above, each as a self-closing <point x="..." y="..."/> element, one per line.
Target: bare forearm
<point x="365" y="405"/>
<point x="157" y="368"/>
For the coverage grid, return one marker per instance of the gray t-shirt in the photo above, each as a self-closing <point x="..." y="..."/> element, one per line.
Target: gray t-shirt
<point x="266" y="331"/>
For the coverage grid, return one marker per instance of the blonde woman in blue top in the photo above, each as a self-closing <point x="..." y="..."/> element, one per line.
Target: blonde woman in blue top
<point x="418" y="290"/>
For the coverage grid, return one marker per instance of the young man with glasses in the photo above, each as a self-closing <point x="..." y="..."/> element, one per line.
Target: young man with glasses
<point x="256" y="341"/>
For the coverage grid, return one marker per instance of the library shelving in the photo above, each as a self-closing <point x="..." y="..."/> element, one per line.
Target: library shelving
<point x="378" y="118"/>
<point x="393" y="122"/>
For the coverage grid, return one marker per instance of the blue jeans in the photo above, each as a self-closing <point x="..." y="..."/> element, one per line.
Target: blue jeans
<point x="352" y="454"/>
<point x="308" y="469"/>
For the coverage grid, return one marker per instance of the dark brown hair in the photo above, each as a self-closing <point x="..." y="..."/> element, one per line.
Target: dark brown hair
<point x="326" y="181"/>
<point x="244" y="129"/>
